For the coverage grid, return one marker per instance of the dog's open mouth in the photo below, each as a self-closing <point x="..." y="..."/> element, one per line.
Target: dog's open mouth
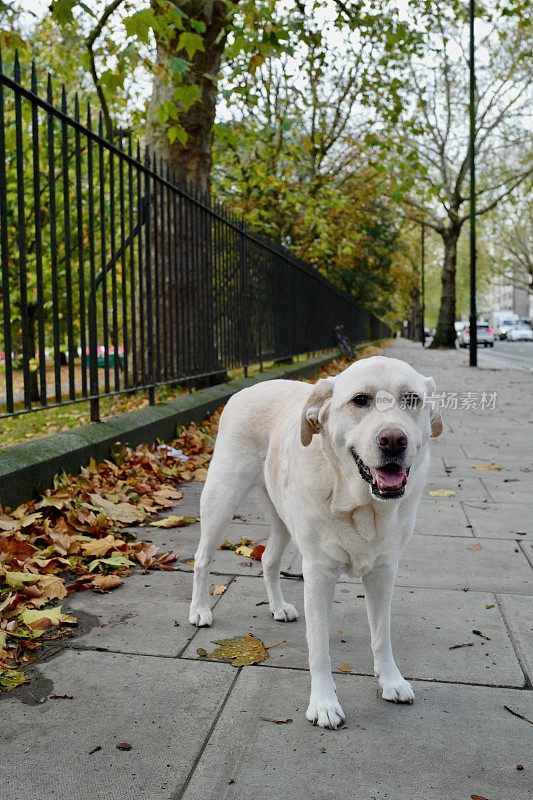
<point x="386" y="482"/>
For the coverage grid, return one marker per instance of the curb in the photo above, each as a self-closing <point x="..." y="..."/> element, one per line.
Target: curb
<point x="28" y="469"/>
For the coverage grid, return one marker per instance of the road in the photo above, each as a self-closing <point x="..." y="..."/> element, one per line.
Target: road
<point x="518" y="355"/>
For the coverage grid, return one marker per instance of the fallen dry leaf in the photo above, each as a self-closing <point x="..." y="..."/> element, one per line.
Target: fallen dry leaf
<point x="242" y="651"/>
<point x="218" y="590"/>
<point x="42" y="620"/>
<point x="345" y="667"/>
<point x="487" y="467"/>
<point x="106" y="583"/>
<point x="474" y="548"/>
<point x="244" y="550"/>
<point x="101" y="547"/>
<point x="118" y="512"/>
<point x="276" y="721"/>
<point x="11" y="678"/>
<point x="124" y="746"/>
<point x="258" y="551"/>
<point x="441" y="493"/>
<point x="173" y="521"/>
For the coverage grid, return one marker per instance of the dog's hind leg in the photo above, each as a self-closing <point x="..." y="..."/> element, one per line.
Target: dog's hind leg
<point x="226" y="485"/>
<point x="277" y="542"/>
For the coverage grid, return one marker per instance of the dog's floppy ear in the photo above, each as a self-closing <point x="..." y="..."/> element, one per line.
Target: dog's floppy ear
<point x="315" y="410"/>
<point x="435" y="417"/>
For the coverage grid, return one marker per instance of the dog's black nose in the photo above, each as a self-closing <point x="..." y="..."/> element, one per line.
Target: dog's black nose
<point x="392" y="441"/>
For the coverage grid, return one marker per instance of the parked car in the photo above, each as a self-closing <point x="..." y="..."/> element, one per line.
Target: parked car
<point x="501" y="321"/>
<point x="520" y="333"/>
<point x="485" y="336"/>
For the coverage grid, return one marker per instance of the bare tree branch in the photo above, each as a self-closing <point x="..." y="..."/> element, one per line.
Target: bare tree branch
<point x="89" y="43"/>
<point x="501" y="196"/>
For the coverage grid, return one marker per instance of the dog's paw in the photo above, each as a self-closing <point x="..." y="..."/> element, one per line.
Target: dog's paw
<point x="397" y="691"/>
<point x="200" y="616"/>
<point x="287" y="613"/>
<point x="325" y="712"/>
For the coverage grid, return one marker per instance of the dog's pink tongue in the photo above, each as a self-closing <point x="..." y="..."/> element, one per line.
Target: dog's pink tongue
<point x="389" y="480"/>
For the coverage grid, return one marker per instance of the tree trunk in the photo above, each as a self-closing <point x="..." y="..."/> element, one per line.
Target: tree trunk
<point x="445" y="334"/>
<point x="188" y="334"/>
<point x="415" y="316"/>
<point x="192" y="161"/>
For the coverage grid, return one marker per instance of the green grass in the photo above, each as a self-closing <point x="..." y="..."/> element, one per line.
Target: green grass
<point x="33" y="425"/>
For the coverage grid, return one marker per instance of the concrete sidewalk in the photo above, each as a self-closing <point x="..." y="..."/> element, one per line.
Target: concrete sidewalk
<point x="462" y="627"/>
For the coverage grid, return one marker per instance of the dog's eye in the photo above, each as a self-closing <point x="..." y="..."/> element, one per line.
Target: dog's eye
<point x="360" y="400"/>
<point x="410" y="400"/>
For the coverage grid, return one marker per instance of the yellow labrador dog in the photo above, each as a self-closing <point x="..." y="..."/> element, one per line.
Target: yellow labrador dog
<point x="341" y="466"/>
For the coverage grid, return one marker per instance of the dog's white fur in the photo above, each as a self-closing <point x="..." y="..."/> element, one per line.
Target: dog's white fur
<point x="312" y="491"/>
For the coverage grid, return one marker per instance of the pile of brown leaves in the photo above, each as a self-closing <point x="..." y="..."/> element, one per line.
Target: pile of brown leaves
<point x="73" y="538"/>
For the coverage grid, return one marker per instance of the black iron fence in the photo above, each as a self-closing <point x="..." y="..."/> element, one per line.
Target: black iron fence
<point x="115" y="277"/>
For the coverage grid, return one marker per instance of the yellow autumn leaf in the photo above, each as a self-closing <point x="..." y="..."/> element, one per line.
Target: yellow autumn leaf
<point x="244" y="550"/>
<point x="242" y="651"/>
<point x="17" y="579"/>
<point x="41" y="620"/>
<point x="442" y="493"/>
<point x="173" y="521"/>
<point x="487" y="467"/>
<point x="11" y="678"/>
<point x="200" y="474"/>
<point x="101" y="547"/>
<point x="218" y="590"/>
<point x="345" y="668"/>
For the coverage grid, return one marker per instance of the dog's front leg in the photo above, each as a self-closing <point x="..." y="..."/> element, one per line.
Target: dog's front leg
<point x="319" y="587"/>
<point x="379" y="585"/>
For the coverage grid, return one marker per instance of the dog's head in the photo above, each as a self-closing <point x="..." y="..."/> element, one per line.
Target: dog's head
<point x="378" y="416"/>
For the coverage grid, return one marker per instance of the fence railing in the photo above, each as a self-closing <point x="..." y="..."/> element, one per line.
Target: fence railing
<point x="115" y="277"/>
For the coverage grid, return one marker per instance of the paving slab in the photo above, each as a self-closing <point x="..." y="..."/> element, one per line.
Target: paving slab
<point x="471" y="488"/>
<point x="438" y="518"/>
<point x="518" y="613"/>
<point x="461" y="563"/>
<point x="500" y="520"/>
<point x="66" y="749"/>
<point x="440" y="748"/>
<point x="147" y="615"/>
<point x="426" y="624"/>
<point x="511" y="494"/>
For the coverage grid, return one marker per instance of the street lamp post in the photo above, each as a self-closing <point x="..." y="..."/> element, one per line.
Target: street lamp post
<point x="423" y="282"/>
<point x="472" y="164"/>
